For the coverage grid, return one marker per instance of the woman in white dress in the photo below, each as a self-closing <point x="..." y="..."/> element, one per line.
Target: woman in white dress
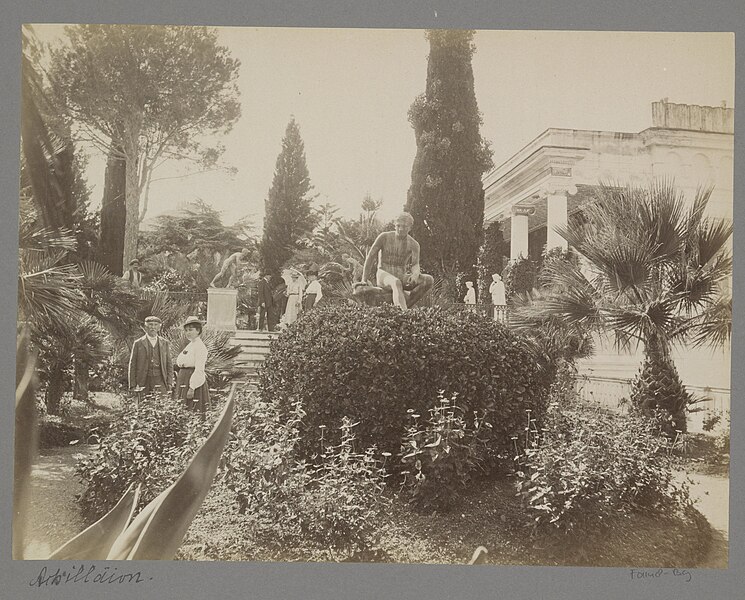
<point x="295" y="287"/>
<point x="191" y="381"/>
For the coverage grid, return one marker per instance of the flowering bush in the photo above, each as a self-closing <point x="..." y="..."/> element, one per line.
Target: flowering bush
<point x="588" y="464"/>
<point x="442" y="454"/>
<point x="331" y="503"/>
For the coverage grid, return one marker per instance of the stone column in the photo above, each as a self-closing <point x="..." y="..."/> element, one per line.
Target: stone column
<point x="557" y="216"/>
<point x="221" y="308"/>
<point x="519" y="231"/>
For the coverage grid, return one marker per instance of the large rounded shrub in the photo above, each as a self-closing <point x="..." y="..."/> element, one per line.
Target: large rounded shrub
<point x="378" y="365"/>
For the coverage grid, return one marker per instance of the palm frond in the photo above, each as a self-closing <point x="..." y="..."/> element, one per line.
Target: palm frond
<point x="33" y="237"/>
<point x="48" y="292"/>
<point x="711" y="238"/>
<point x="48" y="157"/>
<point x="714" y="327"/>
<point x="159" y="304"/>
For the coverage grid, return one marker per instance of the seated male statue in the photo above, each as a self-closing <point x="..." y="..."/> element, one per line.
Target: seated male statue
<point x="399" y="272"/>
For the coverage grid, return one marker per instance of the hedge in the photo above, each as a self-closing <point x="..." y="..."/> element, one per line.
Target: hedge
<point x="375" y="364"/>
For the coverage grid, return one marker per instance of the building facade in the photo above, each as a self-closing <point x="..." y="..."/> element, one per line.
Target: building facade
<point x="541" y="186"/>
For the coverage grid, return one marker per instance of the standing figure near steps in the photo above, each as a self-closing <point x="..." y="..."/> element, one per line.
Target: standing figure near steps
<point x="398" y="264"/>
<point x="191" y="380"/>
<point x="150" y="367"/>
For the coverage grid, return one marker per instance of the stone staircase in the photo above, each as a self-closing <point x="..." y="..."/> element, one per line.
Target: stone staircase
<point x="254" y="349"/>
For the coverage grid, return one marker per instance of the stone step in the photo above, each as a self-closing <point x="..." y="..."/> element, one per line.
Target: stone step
<point x="254" y="350"/>
<point x="259" y="353"/>
<point x="247" y="334"/>
<point x="251" y="346"/>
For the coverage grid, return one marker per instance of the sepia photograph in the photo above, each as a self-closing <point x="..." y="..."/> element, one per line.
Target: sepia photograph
<point x="358" y="295"/>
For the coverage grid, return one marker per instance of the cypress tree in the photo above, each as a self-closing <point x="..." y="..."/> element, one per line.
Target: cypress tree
<point x="446" y="197"/>
<point x="288" y="213"/>
<point x="113" y="213"/>
<point x="492" y="255"/>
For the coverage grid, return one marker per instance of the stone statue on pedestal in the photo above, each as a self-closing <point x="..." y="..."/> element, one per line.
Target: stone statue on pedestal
<point x="228" y="275"/>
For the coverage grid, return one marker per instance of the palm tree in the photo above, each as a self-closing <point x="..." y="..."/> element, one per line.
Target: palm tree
<point x="653" y="272"/>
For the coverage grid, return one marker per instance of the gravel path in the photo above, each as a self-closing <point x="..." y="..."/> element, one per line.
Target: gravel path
<point x="53" y="516"/>
<point x="712" y="493"/>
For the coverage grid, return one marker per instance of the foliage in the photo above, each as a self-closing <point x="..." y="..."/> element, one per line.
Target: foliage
<point x="372" y="364"/>
<point x="562" y="343"/>
<point x="652" y="273"/>
<point x="195" y="227"/>
<point x="288" y="206"/>
<point x="148" y="93"/>
<point x="158" y="530"/>
<point x="48" y="286"/>
<point x="147" y="445"/>
<point x="446" y="197"/>
<point x="721" y="441"/>
<point x="460" y="284"/>
<point x="331" y="504"/>
<point x="520" y="276"/>
<point x="47" y="170"/>
<point x="182" y="251"/>
<point x="492" y="255"/>
<point x="586" y="464"/>
<point x="442" y="454"/>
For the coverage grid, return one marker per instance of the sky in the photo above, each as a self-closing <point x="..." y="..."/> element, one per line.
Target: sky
<point x="350" y="90"/>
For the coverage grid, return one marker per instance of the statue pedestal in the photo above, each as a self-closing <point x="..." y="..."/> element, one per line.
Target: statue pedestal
<point x="221" y="308"/>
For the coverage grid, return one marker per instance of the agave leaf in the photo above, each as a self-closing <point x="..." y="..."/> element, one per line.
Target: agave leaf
<point x="157" y="532"/>
<point x="95" y="542"/>
<point x="26" y="436"/>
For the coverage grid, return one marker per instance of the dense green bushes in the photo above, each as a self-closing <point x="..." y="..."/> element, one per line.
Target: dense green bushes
<point x="148" y="445"/>
<point x="331" y="504"/>
<point x="587" y="464"/>
<point x="373" y="365"/>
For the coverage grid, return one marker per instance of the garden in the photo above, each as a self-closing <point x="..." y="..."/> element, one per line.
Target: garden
<point x="412" y="437"/>
<point x="437" y="434"/>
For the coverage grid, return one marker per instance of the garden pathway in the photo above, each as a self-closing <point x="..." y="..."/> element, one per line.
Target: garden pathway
<point x="53" y="516"/>
<point x="712" y="492"/>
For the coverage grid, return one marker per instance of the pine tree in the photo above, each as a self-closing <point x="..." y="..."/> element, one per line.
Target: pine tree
<point x="148" y="93"/>
<point x="446" y="197"/>
<point x="288" y="213"/>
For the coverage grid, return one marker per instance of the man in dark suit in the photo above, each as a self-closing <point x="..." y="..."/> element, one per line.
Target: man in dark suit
<point x="267" y="314"/>
<point x="150" y="366"/>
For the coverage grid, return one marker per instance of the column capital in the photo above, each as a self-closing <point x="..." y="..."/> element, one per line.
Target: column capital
<point x="522" y="211"/>
<point x="555" y="188"/>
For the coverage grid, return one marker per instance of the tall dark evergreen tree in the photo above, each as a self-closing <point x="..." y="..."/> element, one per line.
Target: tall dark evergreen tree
<point x="113" y="213"/>
<point x="492" y="256"/>
<point x="288" y="206"/>
<point x="446" y="197"/>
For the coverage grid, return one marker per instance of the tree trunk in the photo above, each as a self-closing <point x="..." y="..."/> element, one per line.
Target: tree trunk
<point x="55" y="389"/>
<point x="132" y="205"/>
<point x="82" y="380"/>
<point x="113" y="214"/>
